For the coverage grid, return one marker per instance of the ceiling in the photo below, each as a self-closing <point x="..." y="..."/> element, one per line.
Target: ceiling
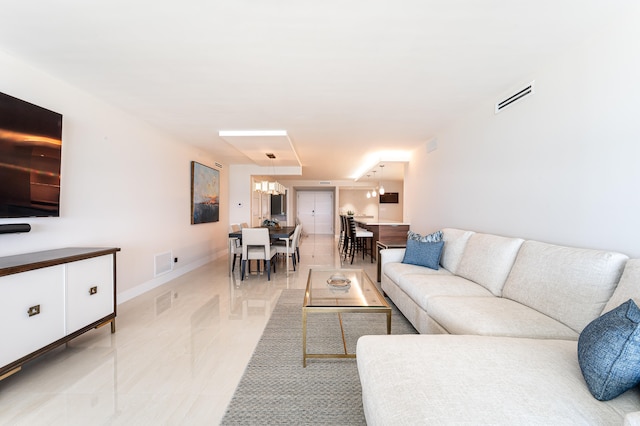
<point x="351" y="82"/>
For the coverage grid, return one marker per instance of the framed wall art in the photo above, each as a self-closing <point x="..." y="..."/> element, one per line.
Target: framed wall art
<point x="205" y="194"/>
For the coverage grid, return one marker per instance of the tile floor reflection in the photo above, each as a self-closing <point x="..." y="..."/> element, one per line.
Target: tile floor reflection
<point x="176" y="358"/>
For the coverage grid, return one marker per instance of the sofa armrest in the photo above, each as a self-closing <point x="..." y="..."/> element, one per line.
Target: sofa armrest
<point x="391" y="255"/>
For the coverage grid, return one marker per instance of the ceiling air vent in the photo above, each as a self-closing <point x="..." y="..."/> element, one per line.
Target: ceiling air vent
<point x="525" y="92"/>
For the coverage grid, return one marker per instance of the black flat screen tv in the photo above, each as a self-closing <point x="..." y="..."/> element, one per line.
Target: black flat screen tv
<point x="389" y="198"/>
<point x="30" y="159"/>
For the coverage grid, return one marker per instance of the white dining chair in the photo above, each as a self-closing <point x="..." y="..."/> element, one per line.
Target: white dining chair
<point x="287" y="246"/>
<point x="235" y="246"/>
<point x="256" y="245"/>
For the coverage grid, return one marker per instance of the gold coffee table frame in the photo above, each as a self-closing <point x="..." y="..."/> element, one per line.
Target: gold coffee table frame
<point x="360" y="295"/>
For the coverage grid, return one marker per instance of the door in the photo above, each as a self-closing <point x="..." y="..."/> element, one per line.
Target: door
<point x="260" y="208"/>
<point x="315" y="211"/>
<point x="256" y="209"/>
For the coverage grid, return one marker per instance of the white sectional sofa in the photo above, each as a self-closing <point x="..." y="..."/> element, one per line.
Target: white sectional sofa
<point x="499" y="323"/>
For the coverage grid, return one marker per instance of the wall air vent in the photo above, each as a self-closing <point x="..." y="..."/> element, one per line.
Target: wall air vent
<point x="163" y="263"/>
<point x="325" y="182"/>
<point x="524" y="92"/>
<point x="218" y="165"/>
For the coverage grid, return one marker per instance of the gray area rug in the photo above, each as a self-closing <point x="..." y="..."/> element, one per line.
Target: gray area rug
<point x="276" y="389"/>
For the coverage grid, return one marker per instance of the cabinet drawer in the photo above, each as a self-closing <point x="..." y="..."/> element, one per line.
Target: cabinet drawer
<point x="40" y="293"/>
<point x="90" y="287"/>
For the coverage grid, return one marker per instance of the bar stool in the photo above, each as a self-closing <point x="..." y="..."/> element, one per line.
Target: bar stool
<point x="349" y="237"/>
<point x="362" y="236"/>
<point x="342" y="231"/>
<point x="357" y="240"/>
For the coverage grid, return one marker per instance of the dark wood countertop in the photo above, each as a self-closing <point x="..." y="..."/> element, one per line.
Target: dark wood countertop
<point x="42" y="259"/>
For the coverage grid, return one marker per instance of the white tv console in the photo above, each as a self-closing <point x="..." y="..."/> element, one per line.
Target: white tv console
<point x="50" y="297"/>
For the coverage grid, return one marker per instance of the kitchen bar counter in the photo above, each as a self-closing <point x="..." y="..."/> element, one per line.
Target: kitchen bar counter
<point x="363" y="221"/>
<point x="386" y="230"/>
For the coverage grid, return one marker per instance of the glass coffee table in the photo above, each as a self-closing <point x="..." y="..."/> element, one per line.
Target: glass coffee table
<point x="340" y="291"/>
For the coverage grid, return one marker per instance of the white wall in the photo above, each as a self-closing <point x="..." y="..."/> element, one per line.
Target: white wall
<point x="561" y="167"/>
<point x="356" y="200"/>
<point x="123" y="184"/>
<point x="392" y="211"/>
<point x="240" y="192"/>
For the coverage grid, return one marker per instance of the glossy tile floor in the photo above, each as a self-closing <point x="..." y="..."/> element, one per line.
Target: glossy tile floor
<point x="177" y="355"/>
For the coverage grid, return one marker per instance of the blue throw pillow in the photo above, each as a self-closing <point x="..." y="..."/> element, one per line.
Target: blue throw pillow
<point x="609" y="352"/>
<point x="423" y="254"/>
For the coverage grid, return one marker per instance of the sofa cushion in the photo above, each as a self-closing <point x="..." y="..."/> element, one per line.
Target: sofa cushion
<point x="609" y="352"/>
<point x="569" y="284"/>
<point x="445" y="379"/>
<point x="418" y="317"/>
<point x="494" y="316"/>
<point x="455" y="240"/>
<point x="487" y="260"/>
<point x="632" y="419"/>
<point x="396" y="270"/>
<point x="423" y="253"/>
<point x="421" y="287"/>
<point x="628" y="287"/>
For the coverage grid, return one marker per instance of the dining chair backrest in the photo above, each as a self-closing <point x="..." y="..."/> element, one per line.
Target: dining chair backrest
<point x="236" y="244"/>
<point x="296" y="236"/>
<point x="350" y="227"/>
<point x="255" y="237"/>
<point x="244" y="225"/>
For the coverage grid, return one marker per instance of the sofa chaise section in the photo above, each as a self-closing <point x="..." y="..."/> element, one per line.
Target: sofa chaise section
<point x="450" y="379"/>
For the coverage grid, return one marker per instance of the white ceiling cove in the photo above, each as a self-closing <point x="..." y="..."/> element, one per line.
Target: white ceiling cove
<point x="347" y="80"/>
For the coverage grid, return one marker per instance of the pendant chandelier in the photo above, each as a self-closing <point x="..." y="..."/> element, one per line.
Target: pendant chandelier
<point x="381" y="187"/>
<point x="373" y="192"/>
<point x="271" y="187"/>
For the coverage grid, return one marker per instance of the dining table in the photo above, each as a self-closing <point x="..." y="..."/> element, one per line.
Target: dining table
<point x="275" y="233"/>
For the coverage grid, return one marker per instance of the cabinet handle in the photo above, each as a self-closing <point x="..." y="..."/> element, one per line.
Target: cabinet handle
<point x="33" y="310"/>
<point x="93" y="290"/>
